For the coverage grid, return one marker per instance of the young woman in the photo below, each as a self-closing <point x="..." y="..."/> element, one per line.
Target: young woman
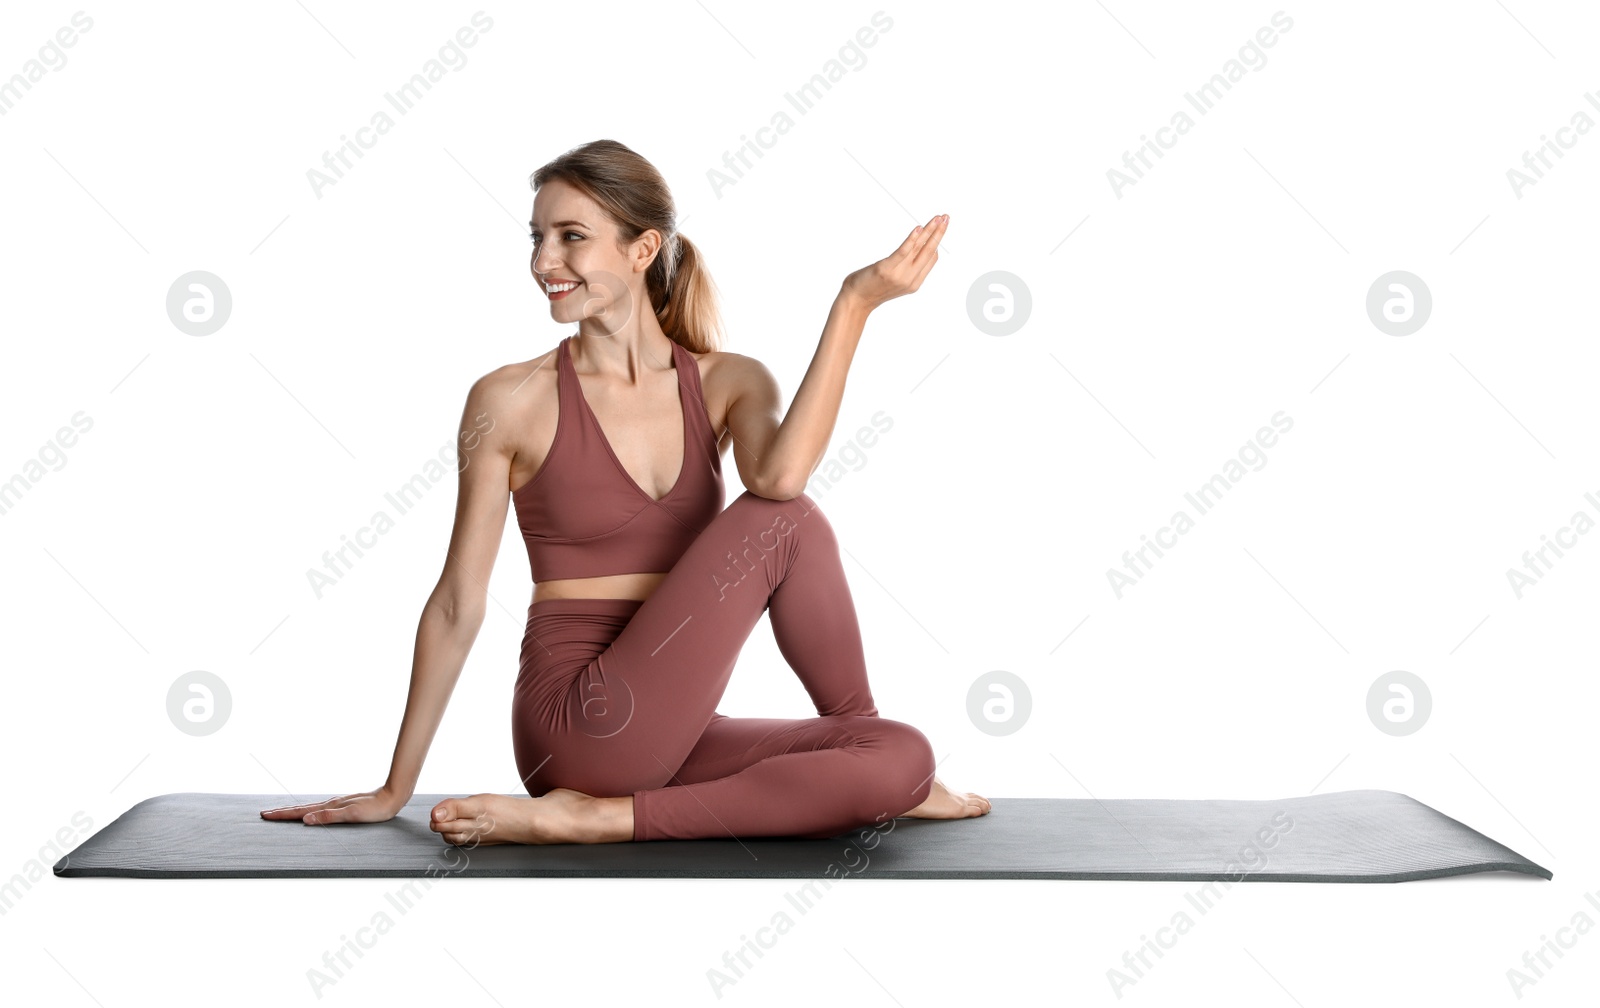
<point x="646" y="587"/>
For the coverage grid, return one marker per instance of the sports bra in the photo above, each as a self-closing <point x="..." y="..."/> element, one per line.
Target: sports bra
<point x="582" y="515"/>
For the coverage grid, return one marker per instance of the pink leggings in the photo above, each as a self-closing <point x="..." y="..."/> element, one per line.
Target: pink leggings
<point x="619" y="696"/>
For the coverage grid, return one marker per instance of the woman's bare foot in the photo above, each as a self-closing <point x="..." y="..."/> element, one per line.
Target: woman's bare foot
<point x="560" y="816"/>
<point x="942" y="803"/>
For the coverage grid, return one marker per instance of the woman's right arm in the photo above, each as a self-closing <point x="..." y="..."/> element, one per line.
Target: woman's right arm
<point x="454" y="611"/>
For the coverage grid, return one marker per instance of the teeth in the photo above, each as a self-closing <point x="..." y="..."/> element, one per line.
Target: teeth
<point x="558" y="288"/>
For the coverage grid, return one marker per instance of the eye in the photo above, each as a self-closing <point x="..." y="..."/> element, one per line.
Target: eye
<point x="534" y="237"/>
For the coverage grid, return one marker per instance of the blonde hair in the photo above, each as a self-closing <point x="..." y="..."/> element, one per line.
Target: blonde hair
<point x="633" y="193"/>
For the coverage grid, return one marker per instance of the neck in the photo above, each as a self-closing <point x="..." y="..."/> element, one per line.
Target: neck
<point x="627" y="354"/>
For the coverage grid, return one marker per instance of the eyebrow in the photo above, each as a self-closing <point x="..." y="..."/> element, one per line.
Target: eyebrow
<point x="559" y="223"/>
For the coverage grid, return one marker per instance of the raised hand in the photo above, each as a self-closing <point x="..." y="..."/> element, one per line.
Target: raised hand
<point x="902" y="272"/>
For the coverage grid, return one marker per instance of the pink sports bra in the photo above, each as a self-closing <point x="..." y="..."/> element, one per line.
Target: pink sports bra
<point x="582" y="515"/>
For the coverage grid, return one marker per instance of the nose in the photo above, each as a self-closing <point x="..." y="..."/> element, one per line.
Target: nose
<point x="544" y="262"/>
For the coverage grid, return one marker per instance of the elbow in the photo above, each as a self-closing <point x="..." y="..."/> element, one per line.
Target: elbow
<point x="462" y="613"/>
<point x="779" y="488"/>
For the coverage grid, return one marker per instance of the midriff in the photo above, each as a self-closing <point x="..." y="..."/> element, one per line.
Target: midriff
<point x="618" y="586"/>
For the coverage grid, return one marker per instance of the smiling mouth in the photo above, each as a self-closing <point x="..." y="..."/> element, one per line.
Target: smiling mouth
<point x="558" y="295"/>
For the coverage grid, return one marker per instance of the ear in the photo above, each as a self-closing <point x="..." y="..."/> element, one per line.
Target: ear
<point x="645" y="249"/>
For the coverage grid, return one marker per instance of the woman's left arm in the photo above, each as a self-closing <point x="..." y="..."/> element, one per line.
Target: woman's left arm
<point x="776" y="459"/>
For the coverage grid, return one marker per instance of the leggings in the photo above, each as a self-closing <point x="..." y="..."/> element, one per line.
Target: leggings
<point x="618" y="696"/>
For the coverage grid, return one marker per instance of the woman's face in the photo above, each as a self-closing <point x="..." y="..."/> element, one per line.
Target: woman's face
<point x="576" y="260"/>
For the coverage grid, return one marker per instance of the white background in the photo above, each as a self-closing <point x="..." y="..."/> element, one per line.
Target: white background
<point x="1227" y="284"/>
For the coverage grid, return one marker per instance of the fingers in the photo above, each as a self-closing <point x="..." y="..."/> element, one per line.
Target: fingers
<point x="296" y="811"/>
<point x="364" y="809"/>
<point x="300" y="811"/>
<point x="928" y="248"/>
<point x="924" y="261"/>
<point x="913" y="239"/>
<point x="932" y="231"/>
<point x="922" y="254"/>
<point x="922" y="233"/>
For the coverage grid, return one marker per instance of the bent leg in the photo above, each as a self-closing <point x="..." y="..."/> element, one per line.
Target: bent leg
<point x="627" y="719"/>
<point x="813" y="778"/>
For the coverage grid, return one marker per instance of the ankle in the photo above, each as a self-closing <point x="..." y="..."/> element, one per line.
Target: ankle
<point x="609" y="820"/>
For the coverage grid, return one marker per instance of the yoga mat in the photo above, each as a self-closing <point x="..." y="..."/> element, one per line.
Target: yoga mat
<point x="1342" y="836"/>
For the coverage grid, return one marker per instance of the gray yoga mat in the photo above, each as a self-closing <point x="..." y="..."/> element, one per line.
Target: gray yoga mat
<point x="1343" y="836"/>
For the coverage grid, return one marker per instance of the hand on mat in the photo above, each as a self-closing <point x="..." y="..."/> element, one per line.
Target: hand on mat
<point x="902" y="272"/>
<point x="368" y="806"/>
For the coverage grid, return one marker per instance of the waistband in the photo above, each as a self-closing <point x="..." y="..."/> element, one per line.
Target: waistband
<point x="620" y="606"/>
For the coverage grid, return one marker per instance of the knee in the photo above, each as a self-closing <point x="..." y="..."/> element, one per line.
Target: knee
<point x="750" y="500"/>
<point x="798" y="511"/>
<point x="774" y="524"/>
<point x="906" y="772"/>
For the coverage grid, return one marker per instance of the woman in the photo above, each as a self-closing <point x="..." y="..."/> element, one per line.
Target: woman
<point x="645" y="586"/>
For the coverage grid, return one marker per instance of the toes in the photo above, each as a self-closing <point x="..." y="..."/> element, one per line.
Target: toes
<point x="455" y="815"/>
<point x="463" y="831"/>
<point x="465" y="835"/>
<point x="466" y="821"/>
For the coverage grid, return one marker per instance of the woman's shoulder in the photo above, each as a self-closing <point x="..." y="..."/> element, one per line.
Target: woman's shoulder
<point x="524" y="371"/>
<point x="518" y="383"/>
<point x="735" y="371"/>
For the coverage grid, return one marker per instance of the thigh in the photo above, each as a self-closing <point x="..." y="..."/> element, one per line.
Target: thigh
<point x="640" y="706"/>
<point x="729" y="744"/>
